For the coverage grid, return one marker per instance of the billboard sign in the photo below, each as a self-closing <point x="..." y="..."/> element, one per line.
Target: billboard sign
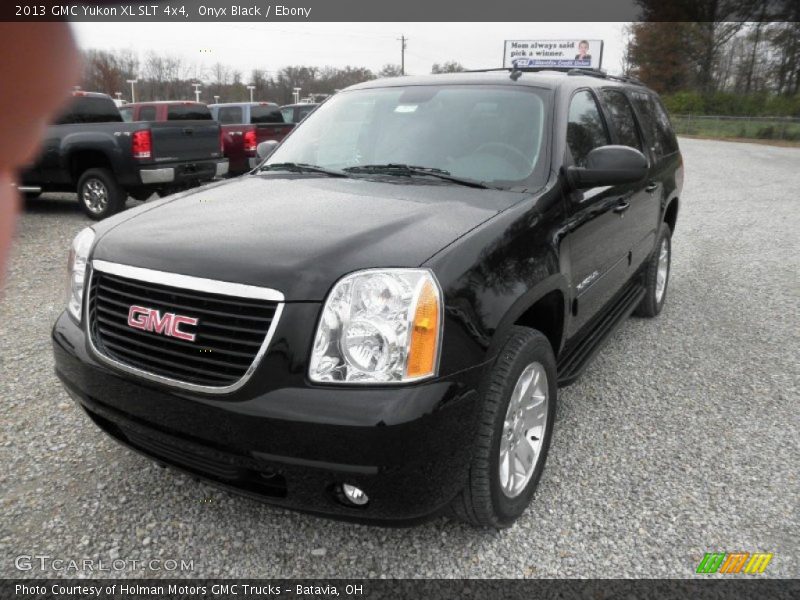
<point x="578" y="53"/>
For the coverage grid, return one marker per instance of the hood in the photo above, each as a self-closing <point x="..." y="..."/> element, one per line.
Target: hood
<point x="297" y="235"/>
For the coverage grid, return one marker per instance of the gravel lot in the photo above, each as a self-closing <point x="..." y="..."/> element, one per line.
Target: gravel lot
<point x="682" y="437"/>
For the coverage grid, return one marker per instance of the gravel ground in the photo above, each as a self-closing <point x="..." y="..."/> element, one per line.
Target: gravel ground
<point x="682" y="437"/>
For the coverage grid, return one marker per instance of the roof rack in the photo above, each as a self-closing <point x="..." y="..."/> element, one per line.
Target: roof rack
<point x="600" y="73"/>
<point x="516" y="72"/>
<point x="521" y="69"/>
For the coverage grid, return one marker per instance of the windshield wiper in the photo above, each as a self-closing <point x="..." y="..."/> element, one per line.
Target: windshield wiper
<point x="302" y="168"/>
<point x="409" y="170"/>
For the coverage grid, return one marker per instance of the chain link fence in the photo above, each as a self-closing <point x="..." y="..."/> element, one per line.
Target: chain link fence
<point x="756" y="128"/>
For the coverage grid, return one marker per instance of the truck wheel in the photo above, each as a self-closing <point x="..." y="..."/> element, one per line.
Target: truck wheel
<point x="513" y="434"/>
<point x="99" y="194"/>
<point x="656" y="276"/>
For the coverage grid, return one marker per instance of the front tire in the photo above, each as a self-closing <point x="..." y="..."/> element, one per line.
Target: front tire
<point x="656" y="276"/>
<point x="513" y="434"/>
<point x="99" y="194"/>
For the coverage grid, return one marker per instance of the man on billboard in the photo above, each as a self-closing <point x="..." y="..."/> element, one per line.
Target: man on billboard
<point x="583" y="51"/>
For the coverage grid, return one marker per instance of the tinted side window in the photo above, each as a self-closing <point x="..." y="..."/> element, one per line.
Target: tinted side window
<point x="86" y="109"/>
<point x="230" y="115"/>
<point x="127" y="114"/>
<point x="665" y="132"/>
<point x="288" y="115"/>
<point x="622" y="118"/>
<point x="188" y="112"/>
<point x="147" y="113"/>
<point x="656" y="124"/>
<point x="585" y="127"/>
<point x="266" y="114"/>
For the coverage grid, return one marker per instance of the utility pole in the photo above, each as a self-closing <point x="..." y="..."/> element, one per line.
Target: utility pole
<point x="402" y="39"/>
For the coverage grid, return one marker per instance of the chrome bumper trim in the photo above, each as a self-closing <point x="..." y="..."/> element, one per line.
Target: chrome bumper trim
<point x="165" y="175"/>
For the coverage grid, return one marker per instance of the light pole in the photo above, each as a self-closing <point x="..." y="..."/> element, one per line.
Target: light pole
<point x="216" y="99"/>
<point x="251" y="88"/>
<point x="297" y="95"/>
<point x="118" y="95"/>
<point x="197" y="87"/>
<point x="133" y="92"/>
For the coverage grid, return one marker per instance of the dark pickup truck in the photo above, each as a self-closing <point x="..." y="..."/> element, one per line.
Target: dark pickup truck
<point x="373" y="324"/>
<point x="89" y="149"/>
<point x="244" y="126"/>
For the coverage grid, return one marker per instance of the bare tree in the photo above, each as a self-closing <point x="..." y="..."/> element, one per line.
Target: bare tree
<point x="390" y="70"/>
<point x="451" y="66"/>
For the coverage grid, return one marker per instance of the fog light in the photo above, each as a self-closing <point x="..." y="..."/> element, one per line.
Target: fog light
<point x="354" y="495"/>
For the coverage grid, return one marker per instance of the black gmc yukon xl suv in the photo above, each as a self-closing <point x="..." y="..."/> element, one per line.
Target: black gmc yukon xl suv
<point x="374" y="323"/>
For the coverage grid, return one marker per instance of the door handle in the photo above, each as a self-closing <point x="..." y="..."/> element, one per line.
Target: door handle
<point x="651" y="187"/>
<point x="622" y="206"/>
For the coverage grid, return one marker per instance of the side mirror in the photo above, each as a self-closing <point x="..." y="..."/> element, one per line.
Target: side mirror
<point x="264" y="149"/>
<point x="609" y="165"/>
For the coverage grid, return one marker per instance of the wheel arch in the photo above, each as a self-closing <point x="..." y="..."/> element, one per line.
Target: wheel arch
<point x="671" y="214"/>
<point x="80" y="161"/>
<point x="543" y="308"/>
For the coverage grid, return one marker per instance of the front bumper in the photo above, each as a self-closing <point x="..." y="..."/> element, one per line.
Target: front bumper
<point x="407" y="447"/>
<point x="184" y="172"/>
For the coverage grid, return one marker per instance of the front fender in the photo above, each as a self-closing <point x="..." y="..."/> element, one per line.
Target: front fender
<point x="493" y="274"/>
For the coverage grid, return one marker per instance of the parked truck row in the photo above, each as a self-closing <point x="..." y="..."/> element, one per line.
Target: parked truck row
<point x="106" y="153"/>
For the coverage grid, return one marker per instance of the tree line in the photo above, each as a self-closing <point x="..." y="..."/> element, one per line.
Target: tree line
<point x="737" y="58"/>
<point x="166" y="77"/>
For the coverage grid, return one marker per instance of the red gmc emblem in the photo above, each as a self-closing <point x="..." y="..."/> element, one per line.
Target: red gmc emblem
<point x="149" y="319"/>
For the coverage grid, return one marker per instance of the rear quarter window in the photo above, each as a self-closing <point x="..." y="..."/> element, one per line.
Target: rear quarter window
<point x="188" y="112"/>
<point x="622" y="118"/>
<point x="656" y="124"/>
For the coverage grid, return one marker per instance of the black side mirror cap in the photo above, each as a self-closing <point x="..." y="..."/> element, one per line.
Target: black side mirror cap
<point x="609" y="165"/>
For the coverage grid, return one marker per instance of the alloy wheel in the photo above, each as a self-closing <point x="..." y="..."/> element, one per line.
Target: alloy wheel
<point x="524" y="430"/>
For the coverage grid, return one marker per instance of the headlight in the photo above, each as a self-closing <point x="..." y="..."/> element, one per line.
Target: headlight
<point x="76" y="267"/>
<point x="379" y="326"/>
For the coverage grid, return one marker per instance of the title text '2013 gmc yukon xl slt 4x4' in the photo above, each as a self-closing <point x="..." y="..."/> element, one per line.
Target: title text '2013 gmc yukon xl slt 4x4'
<point x="373" y="324"/>
<point x="89" y="149"/>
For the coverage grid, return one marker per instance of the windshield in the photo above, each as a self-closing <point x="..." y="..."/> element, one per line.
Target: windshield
<point x="491" y="134"/>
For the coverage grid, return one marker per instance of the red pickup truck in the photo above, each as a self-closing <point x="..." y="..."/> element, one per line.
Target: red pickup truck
<point x="244" y="126"/>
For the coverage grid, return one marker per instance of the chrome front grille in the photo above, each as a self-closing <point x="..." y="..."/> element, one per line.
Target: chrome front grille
<point x="231" y="332"/>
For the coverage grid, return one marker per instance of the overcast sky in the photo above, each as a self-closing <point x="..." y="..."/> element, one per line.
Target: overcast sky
<point x="271" y="46"/>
